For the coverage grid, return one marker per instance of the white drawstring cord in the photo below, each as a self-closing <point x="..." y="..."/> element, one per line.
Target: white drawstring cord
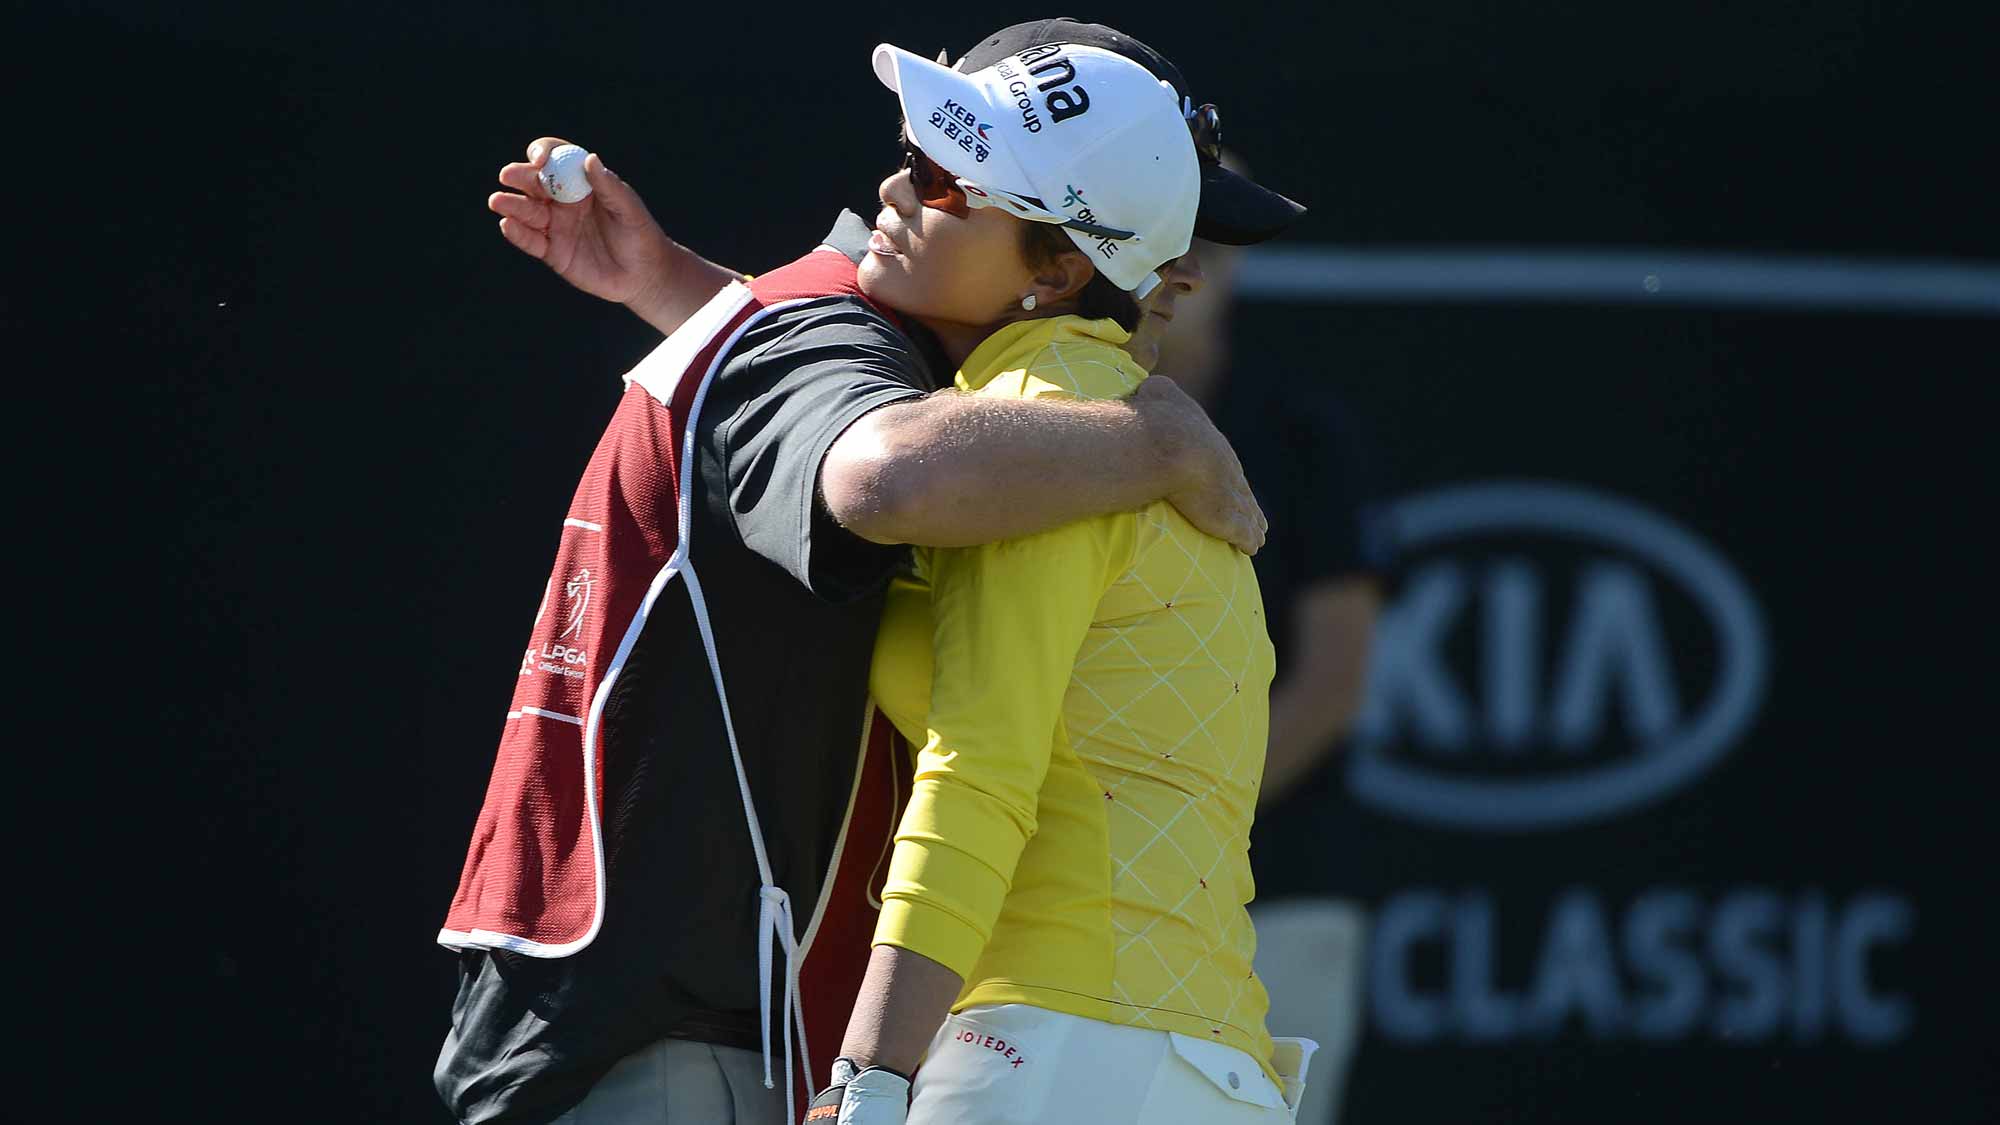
<point x="774" y="914"/>
<point x="765" y="921"/>
<point x="774" y="906"/>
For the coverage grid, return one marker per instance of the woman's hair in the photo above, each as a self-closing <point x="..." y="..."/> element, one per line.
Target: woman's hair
<point x="1043" y="243"/>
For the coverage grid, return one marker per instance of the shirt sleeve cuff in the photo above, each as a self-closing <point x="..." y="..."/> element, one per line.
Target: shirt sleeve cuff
<point x="951" y="929"/>
<point x="936" y="933"/>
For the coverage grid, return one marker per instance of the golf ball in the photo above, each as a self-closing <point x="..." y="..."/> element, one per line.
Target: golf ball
<point x="562" y="176"/>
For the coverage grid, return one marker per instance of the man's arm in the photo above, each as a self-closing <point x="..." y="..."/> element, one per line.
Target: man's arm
<point x="920" y="472"/>
<point x="924" y="471"/>
<point x="1322" y="690"/>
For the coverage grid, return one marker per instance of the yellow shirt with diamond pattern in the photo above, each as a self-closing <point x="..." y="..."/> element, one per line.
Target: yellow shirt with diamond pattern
<point x="1092" y="705"/>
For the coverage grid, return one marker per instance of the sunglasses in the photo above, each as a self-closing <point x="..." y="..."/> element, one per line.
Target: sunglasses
<point x="939" y="190"/>
<point x="1205" y="122"/>
<point x="936" y="188"/>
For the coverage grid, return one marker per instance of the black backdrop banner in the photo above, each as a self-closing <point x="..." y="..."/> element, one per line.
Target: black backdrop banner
<point x="1652" y="803"/>
<point x="1667" y="801"/>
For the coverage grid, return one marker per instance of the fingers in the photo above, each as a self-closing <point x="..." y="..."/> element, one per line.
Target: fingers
<point x="525" y="211"/>
<point x="1228" y="514"/>
<point x="1246" y="538"/>
<point x="1257" y="525"/>
<point x="507" y="205"/>
<point x="527" y="239"/>
<point x="1218" y="498"/>
<point x="523" y="178"/>
<point x="1240" y="513"/>
<point x="1241" y="483"/>
<point x="1248" y="533"/>
<point x="540" y="147"/>
<point x="523" y="221"/>
<point x="613" y="193"/>
<point x="521" y="175"/>
<point x="1258" y="529"/>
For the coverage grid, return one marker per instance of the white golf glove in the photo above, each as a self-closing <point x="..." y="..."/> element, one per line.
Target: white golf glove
<point x="872" y="1096"/>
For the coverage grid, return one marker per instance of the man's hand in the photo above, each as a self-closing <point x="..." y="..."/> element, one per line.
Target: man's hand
<point x="607" y="245"/>
<point x="1215" y="496"/>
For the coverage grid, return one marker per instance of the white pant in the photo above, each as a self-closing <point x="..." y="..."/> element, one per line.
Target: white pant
<point x="1008" y="1063"/>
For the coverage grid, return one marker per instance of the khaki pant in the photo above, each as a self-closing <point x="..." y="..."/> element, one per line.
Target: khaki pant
<point x="677" y="1082"/>
<point x="1012" y="1064"/>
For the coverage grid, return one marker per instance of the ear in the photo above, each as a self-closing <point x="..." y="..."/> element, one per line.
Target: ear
<point x="1062" y="279"/>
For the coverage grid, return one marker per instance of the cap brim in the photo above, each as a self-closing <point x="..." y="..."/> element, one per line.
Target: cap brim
<point x="922" y="85"/>
<point x="889" y="62"/>
<point x="1236" y="211"/>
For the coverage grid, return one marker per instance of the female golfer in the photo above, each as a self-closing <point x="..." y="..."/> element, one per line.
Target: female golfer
<point x="1063" y="935"/>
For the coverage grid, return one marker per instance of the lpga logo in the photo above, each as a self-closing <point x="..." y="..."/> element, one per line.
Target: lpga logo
<point x="1556" y="655"/>
<point x="578" y="591"/>
<point x="553" y="656"/>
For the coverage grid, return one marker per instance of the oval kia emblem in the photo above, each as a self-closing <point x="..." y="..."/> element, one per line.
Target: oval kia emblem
<point x="1553" y="655"/>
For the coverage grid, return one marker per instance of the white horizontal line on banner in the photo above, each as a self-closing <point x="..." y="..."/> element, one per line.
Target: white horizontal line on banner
<point x="1635" y="277"/>
<point x="584" y="524"/>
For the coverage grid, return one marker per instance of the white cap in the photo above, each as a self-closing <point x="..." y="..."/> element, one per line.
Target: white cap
<point x="1063" y="133"/>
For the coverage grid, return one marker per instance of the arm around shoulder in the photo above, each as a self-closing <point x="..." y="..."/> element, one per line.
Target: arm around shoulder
<point x="956" y="470"/>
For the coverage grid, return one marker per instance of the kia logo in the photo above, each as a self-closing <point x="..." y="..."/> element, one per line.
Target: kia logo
<point x="1554" y="655"/>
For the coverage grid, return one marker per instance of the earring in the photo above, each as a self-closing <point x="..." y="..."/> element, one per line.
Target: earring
<point x="1028" y="303"/>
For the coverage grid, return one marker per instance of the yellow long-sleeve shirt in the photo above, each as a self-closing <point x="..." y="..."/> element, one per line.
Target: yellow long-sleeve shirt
<point x="1092" y="705"/>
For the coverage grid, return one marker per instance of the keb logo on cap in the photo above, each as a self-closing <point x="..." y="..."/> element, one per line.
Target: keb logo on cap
<point x="962" y="127"/>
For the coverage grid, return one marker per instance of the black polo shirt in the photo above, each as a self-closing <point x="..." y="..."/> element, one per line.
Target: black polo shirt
<point x="794" y="599"/>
